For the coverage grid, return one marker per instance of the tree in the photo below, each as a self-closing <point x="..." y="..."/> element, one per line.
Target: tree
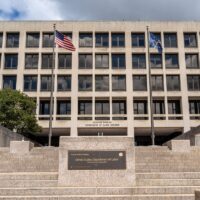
<point x="17" y="112"/>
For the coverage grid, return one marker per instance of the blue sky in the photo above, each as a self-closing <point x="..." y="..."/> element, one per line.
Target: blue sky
<point x="99" y="9"/>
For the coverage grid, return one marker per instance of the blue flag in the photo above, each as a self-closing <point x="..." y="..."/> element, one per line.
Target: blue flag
<point x="155" y="42"/>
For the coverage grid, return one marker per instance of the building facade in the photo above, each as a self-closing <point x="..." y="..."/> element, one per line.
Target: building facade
<point x="102" y="88"/>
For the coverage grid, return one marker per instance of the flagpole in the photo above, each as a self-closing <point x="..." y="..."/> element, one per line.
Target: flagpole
<point x="150" y="93"/>
<point x="52" y="88"/>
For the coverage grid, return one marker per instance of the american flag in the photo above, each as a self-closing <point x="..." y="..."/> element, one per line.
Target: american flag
<point x="64" y="41"/>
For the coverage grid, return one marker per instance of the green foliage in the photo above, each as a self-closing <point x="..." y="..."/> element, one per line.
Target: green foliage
<point x="17" y="111"/>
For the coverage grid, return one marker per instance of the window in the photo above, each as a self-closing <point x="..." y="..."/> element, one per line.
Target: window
<point x="11" y="61"/>
<point x="102" y="39"/>
<point x="85" y="82"/>
<point x="31" y="61"/>
<point x="171" y="61"/>
<point x="30" y="83"/>
<point x="102" y="107"/>
<point x="174" y="107"/>
<point x="32" y="40"/>
<point x="157" y="82"/>
<point x="170" y="40"/>
<point x="156" y="60"/>
<point x="85" y="40"/>
<point x="158" y="107"/>
<point x="12" y="40"/>
<point x="44" y="107"/>
<point x="138" y="61"/>
<point x="139" y="83"/>
<point x="173" y="83"/>
<point x="118" y="40"/>
<point x="101" y="61"/>
<point x="194" y="106"/>
<point x="119" y="83"/>
<point x="47" y="61"/>
<point x="84" y="107"/>
<point x="48" y="40"/>
<point x="190" y="39"/>
<point x="102" y="83"/>
<point x="85" y="61"/>
<point x="138" y="40"/>
<point x="1" y="39"/>
<point x="193" y="82"/>
<point x="192" y="60"/>
<point x="45" y="83"/>
<point x="9" y="82"/>
<point x="118" y="107"/>
<point x="64" y="61"/>
<point x="118" y="61"/>
<point x="64" y="82"/>
<point x="140" y="107"/>
<point x="63" y="107"/>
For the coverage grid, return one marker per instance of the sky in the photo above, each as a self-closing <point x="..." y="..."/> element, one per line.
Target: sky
<point x="157" y="10"/>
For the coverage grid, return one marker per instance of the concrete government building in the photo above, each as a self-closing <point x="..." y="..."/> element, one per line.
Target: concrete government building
<point x="102" y="88"/>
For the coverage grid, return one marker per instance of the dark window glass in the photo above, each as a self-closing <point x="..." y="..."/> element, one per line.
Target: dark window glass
<point x="118" y="107"/>
<point x="9" y="82"/>
<point x="190" y="39"/>
<point x="44" y="107"/>
<point x="102" y="107"/>
<point x="47" y="61"/>
<point x="84" y="107"/>
<point x="138" y="61"/>
<point x="138" y="40"/>
<point x="30" y="83"/>
<point x="102" y="83"/>
<point x="1" y="39"/>
<point x="139" y="83"/>
<point x="64" y="82"/>
<point x="85" y="61"/>
<point x="170" y="40"/>
<point x="194" y="106"/>
<point x="63" y="107"/>
<point x="156" y="60"/>
<point x="101" y="61"/>
<point x="48" y="40"/>
<point x="64" y="61"/>
<point x="12" y="40"/>
<point x="118" y="40"/>
<point x="45" y="83"/>
<point x="192" y="60"/>
<point x="158" y="107"/>
<point x="11" y="61"/>
<point x="32" y="39"/>
<point x="119" y="82"/>
<point x="157" y="82"/>
<point x="85" y="82"/>
<point x="31" y="61"/>
<point x="174" y="107"/>
<point x="171" y="61"/>
<point x="102" y="39"/>
<point x="85" y="39"/>
<point x="193" y="82"/>
<point x="140" y="107"/>
<point x="173" y="83"/>
<point x="118" y="61"/>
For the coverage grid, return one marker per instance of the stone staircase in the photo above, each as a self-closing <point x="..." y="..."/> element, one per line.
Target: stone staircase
<point x="161" y="174"/>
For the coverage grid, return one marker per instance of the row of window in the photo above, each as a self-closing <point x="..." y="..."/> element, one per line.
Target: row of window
<point x="102" y="61"/>
<point x="85" y="82"/>
<point x="119" y="107"/>
<point x="101" y="39"/>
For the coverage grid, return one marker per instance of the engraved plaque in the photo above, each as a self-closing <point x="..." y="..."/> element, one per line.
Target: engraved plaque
<point x="96" y="160"/>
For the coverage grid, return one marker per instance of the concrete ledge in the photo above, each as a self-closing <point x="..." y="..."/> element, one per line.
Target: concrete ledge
<point x="179" y="145"/>
<point x="20" y="147"/>
<point x="197" y="195"/>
